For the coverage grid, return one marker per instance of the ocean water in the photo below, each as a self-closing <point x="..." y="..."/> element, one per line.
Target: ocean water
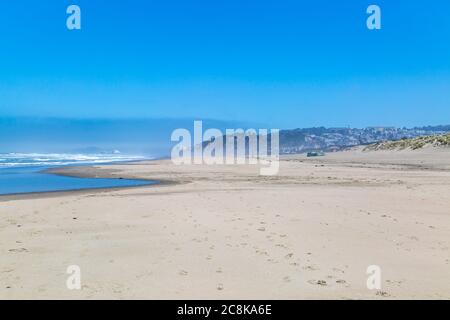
<point x="22" y="173"/>
<point x="8" y="160"/>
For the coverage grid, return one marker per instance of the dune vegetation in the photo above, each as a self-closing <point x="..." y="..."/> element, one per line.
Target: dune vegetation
<point x="413" y="144"/>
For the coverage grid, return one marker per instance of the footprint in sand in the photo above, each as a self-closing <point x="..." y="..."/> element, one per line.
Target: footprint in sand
<point x="6" y="270"/>
<point x="395" y="282"/>
<point x="310" y="268"/>
<point x="18" y="250"/>
<point x="318" y="282"/>
<point x="383" y="294"/>
<point x="338" y="270"/>
<point x="262" y="252"/>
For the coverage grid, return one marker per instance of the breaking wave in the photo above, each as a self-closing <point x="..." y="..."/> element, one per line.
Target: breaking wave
<point x="60" y="159"/>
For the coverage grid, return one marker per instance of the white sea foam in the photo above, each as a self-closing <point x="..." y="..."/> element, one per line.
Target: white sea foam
<point x="59" y="159"/>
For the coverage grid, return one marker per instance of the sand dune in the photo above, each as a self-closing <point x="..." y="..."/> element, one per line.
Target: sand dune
<point x="225" y="232"/>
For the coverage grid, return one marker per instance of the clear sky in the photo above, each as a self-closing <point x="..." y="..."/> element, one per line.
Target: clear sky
<point x="283" y="63"/>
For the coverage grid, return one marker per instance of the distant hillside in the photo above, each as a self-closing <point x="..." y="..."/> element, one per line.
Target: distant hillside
<point x="334" y="139"/>
<point x="414" y="144"/>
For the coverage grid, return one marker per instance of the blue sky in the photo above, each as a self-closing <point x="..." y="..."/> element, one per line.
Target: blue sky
<point x="281" y="63"/>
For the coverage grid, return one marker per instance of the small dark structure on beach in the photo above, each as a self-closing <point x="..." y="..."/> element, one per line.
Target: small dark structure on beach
<point x="315" y="154"/>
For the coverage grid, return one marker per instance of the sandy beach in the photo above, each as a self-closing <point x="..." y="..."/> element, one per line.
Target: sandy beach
<point x="225" y="232"/>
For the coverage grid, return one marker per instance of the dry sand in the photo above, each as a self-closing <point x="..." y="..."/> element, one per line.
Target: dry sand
<point x="220" y="232"/>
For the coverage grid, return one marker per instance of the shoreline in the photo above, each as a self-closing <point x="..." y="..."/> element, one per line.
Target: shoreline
<point x="77" y="171"/>
<point x="63" y="193"/>
<point x="104" y="171"/>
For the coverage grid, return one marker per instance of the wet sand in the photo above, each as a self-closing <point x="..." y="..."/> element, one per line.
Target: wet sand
<point x="220" y="232"/>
